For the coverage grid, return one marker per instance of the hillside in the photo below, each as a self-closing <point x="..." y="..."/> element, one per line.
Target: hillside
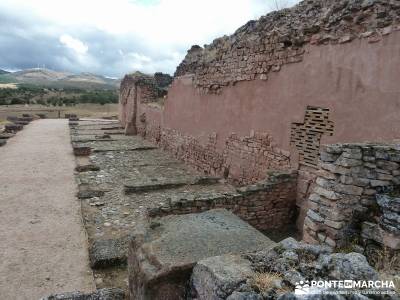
<point x="55" y="79"/>
<point x="3" y="72"/>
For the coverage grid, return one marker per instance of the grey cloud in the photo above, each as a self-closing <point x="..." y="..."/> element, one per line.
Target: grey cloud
<point x="26" y="41"/>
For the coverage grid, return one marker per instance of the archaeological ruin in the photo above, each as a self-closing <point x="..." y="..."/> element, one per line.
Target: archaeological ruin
<point x="270" y="158"/>
<point x="255" y="108"/>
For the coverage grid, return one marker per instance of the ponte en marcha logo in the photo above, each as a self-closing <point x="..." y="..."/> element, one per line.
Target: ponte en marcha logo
<point x="379" y="287"/>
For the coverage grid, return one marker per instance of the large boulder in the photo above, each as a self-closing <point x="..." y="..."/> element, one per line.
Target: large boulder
<point x="162" y="255"/>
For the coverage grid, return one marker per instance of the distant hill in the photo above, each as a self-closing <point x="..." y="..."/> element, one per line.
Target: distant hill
<point x="55" y="79"/>
<point x="3" y="72"/>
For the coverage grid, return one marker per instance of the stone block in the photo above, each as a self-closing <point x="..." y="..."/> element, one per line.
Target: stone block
<point x="108" y="253"/>
<point x="368" y="158"/>
<point x="352" y="154"/>
<point x="6" y="136"/>
<point x="387" y="165"/>
<point x="348" y="162"/>
<point x="325" y="174"/>
<point x="82" y="150"/>
<point x="328" y="157"/>
<point x="348" y="189"/>
<point x="217" y="277"/>
<point x="324" y="183"/>
<point x="326" y="193"/>
<point x="351" y="180"/>
<point x="333" y="149"/>
<point x="315" y="216"/>
<point x="161" y="258"/>
<point x="334" y="224"/>
<point x="336" y="169"/>
<point x="330" y="242"/>
<point x="309" y="223"/>
<point x="377" y="183"/>
<point x="385" y="177"/>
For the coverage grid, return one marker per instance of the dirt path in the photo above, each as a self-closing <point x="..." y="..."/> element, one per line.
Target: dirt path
<point x="42" y="239"/>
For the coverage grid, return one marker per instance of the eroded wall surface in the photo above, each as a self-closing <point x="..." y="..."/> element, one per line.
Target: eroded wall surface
<point x="357" y="82"/>
<point x="268" y="96"/>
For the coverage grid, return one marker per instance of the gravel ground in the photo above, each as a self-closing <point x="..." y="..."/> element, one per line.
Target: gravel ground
<point x="43" y="245"/>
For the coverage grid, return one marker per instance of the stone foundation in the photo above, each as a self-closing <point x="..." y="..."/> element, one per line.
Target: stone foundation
<point x="267" y="205"/>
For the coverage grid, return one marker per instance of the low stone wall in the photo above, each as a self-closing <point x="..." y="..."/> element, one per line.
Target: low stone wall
<point x="242" y="160"/>
<point x="350" y="179"/>
<point x="267" y="205"/>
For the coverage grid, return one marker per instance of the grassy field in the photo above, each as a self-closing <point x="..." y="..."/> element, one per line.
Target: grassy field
<point x="86" y="110"/>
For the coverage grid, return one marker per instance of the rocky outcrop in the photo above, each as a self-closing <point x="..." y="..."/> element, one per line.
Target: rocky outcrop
<point x="274" y="273"/>
<point x="280" y="37"/>
<point x="162" y="255"/>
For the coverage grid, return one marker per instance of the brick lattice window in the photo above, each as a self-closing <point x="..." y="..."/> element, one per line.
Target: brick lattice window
<point x="307" y="136"/>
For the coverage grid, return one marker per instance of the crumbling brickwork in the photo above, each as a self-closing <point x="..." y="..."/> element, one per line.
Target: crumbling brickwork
<point x="151" y="87"/>
<point x="279" y="38"/>
<point x="346" y="202"/>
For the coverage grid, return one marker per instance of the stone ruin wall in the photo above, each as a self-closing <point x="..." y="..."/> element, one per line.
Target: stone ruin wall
<point x="249" y="103"/>
<point x="268" y="205"/>
<point x="351" y="200"/>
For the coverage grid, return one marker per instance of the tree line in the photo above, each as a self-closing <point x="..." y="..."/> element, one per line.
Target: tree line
<point x="30" y="94"/>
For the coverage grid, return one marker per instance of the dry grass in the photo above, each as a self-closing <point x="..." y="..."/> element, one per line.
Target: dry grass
<point x="8" y="86"/>
<point x="265" y="281"/>
<point x="387" y="263"/>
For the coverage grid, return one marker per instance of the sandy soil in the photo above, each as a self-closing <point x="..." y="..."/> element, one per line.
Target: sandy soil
<point x="43" y="246"/>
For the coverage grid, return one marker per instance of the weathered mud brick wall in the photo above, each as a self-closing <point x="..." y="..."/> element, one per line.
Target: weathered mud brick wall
<point x="267" y="205"/>
<point x="277" y="39"/>
<point x="356" y="196"/>
<point x="338" y="58"/>
<point x="137" y="89"/>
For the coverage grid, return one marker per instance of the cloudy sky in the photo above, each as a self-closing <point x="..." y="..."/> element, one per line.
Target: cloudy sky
<point x="114" y="37"/>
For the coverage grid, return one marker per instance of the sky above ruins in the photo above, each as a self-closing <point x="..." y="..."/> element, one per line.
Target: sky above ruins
<point x="115" y="37"/>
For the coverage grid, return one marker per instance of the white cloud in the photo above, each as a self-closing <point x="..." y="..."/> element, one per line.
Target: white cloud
<point x="140" y="58"/>
<point x="149" y="35"/>
<point x="74" y="44"/>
